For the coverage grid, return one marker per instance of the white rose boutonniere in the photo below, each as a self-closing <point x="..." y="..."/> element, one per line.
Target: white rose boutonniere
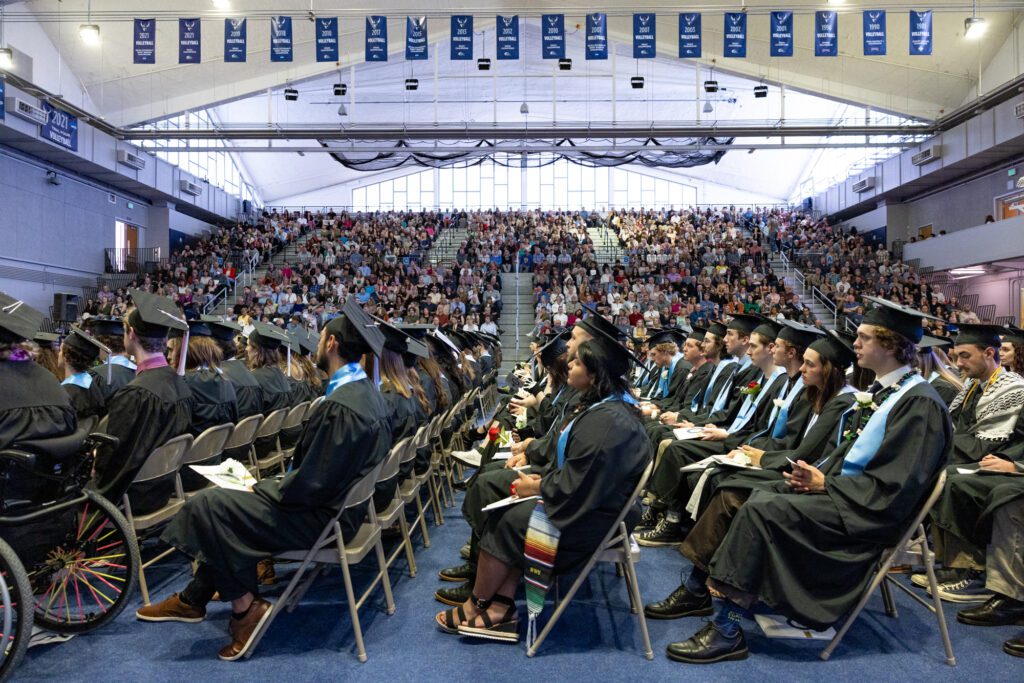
<point x="865" y="400"/>
<point x="779" y="403"/>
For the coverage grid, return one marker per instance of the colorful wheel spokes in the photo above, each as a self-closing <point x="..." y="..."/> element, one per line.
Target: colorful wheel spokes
<point x="84" y="576"/>
<point x="8" y="615"/>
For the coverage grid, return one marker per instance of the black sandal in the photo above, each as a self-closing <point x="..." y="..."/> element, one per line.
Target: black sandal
<point x="506" y="630"/>
<point x="449" y="625"/>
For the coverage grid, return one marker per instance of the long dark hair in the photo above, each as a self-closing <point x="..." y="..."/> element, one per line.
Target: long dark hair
<point x="835" y="380"/>
<point x="602" y="367"/>
<point x="558" y="371"/>
<point x="433" y="371"/>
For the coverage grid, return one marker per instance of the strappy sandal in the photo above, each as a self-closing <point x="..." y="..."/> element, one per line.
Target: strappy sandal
<point x="506" y="630"/>
<point x="446" y="621"/>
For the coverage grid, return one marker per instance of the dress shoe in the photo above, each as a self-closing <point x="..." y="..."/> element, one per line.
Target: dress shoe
<point x="242" y="630"/>
<point x="681" y="603"/>
<point x="709" y="645"/>
<point x="1015" y="646"/>
<point x="463" y="572"/>
<point x="999" y="610"/>
<point x="171" y="609"/>
<point x="454" y="596"/>
<point x="265" y="573"/>
<point x="465" y="551"/>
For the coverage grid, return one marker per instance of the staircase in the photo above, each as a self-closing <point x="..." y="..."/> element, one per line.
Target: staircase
<point x="795" y="279"/>
<point x="516" y="319"/>
<point x="606" y="245"/>
<point x="446" y="246"/>
<point x="289" y="254"/>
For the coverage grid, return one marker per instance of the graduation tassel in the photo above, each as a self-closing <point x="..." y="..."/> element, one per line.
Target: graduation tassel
<point x="289" y="350"/>
<point x="183" y="355"/>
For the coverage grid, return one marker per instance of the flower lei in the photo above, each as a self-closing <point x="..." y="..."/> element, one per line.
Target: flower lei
<point x="751" y="389"/>
<point x="866" y="405"/>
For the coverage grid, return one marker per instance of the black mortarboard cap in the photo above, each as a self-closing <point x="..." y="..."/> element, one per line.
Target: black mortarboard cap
<point x="697" y="333"/>
<point x="836" y="347"/>
<point x="985" y="335"/>
<point x="447" y="341"/>
<point x="550" y="352"/>
<point x="901" y="319"/>
<point x="1012" y="334"/>
<point x="18" y="319"/>
<point x="80" y="341"/>
<point x="769" y="329"/>
<point x="268" y="336"/>
<point x="304" y="341"/>
<point x="743" y="323"/>
<point x="222" y="328"/>
<point x="798" y="334"/>
<point x="356" y="329"/>
<point x="45" y="338"/>
<point x="417" y="331"/>
<point x="670" y="335"/>
<point x="199" y="328"/>
<point x="597" y="325"/>
<point x="931" y="341"/>
<point x="717" y="329"/>
<point x="104" y="327"/>
<point x="154" y="315"/>
<point x="616" y="355"/>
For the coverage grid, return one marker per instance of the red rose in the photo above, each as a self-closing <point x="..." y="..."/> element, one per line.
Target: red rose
<point x="752" y="385"/>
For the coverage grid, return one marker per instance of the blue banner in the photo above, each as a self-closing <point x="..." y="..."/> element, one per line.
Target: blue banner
<point x="921" y="32"/>
<point x="782" y="34"/>
<point x="735" y="34"/>
<point x="280" y="39"/>
<point x="689" y="35"/>
<point x="597" y="36"/>
<point x="190" y="41"/>
<point x="874" y="32"/>
<point x="145" y="41"/>
<point x="61" y="128"/>
<point x="235" y="39"/>
<point x="645" y="43"/>
<point x="826" y="34"/>
<point x="506" y="30"/>
<point x="415" y="38"/>
<point x="377" y="38"/>
<point x="327" y="39"/>
<point x="552" y="36"/>
<point x="462" y="37"/>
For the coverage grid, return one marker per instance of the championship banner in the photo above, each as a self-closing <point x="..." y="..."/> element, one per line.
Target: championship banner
<point x="506" y="30"/>
<point x="61" y="128"/>
<point x="645" y="42"/>
<point x="735" y="34"/>
<point x="415" y="38"/>
<point x="597" y="36"/>
<point x="552" y="37"/>
<point x="190" y="41"/>
<point x="2" y="112"/>
<point x="874" y="32"/>
<point x="144" y="42"/>
<point x="280" y="39"/>
<point x="921" y="32"/>
<point x="377" y="38"/>
<point x="235" y="39"/>
<point x="462" y="37"/>
<point x="326" y="39"/>
<point x="826" y="34"/>
<point x="782" y="34"/>
<point x="689" y="35"/>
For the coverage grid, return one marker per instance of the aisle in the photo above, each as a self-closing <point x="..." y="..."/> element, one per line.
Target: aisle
<point x="592" y="641"/>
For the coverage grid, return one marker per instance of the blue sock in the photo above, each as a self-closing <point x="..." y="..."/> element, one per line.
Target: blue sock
<point x="695" y="582"/>
<point x="727" y="618"/>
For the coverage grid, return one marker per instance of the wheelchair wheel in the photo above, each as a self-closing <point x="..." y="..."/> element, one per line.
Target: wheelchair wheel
<point x="87" y="578"/>
<point x="15" y="611"/>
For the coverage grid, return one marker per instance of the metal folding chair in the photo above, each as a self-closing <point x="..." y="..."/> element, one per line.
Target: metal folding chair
<point x="913" y="547"/>
<point x="239" y="444"/>
<point x="395" y="511"/>
<point x="264" y="453"/>
<point x="291" y="429"/>
<point x="619" y="547"/>
<point x="333" y="548"/>
<point x="410" y="489"/>
<point x="205" y="450"/>
<point x="163" y="462"/>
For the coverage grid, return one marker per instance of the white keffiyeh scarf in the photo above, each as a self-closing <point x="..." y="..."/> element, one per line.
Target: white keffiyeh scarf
<point x="998" y="407"/>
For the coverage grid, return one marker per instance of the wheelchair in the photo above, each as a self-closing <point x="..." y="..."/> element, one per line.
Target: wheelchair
<point x="69" y="559"/>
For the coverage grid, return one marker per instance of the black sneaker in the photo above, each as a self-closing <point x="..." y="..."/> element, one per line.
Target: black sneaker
<point x="649" y="519"/>
<point x="455" y="595"/>
<point x="665" y="534"/>
<point x="920" y="579"/>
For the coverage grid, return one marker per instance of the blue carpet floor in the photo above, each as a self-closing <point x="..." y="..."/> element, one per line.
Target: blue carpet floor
<point x="597" y="638"/>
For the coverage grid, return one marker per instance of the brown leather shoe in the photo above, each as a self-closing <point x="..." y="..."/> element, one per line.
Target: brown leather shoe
<point x="242" y="630"/>
<point x="265" y="573"/>
<point x="171" y="609"/>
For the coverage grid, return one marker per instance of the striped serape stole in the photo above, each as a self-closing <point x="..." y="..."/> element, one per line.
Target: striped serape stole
<point x="540" y="551"/>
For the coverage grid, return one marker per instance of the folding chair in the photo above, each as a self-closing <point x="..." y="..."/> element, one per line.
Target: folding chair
<point x="163" y="462"/>
<point x="395" y="511"/>
<point x="619" y="547"/>
<point x="239" y="444"/>
<point x="265" y="453"/>
<point x="291" y="429"/>
<point x="410" y="489"/>
<point x="332" y="548"/>
<point x="205" y="450"/>
<point x="911" y="548"/>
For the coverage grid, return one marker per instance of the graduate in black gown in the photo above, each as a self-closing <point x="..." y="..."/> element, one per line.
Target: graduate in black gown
<point x="110" y="333"/>
<point x="248" y="391"/>
<point x="229" y="532"/>
<point x="602" y="453"/>
<point x="150" y="410"/>
<point x="931" y="366"/>
<point x="732" y="374"/>
<point x="48" y="344"/>
<point x="697" y="380"/>
<point x="808" y="546"/>
<point x="214" y="399"/>
<point x="78" y="353"/>
<point x="666" y="351"/>
<point x="263" y="355"/>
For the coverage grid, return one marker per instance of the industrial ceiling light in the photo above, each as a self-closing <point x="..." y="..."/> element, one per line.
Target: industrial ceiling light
<point x="760" y="91"/>
<point x="707" y="107"/>
<point x="710" y="86"/>
<point x="565" y="64"/>
<point x="340" y="89"/>
<point x="342" y="111"/>
<point x="524" y="109"/>
<point x="412" y="83"/>
<point x="222" y="4"/>
<point x="6" y="58"/>
<point x="484" y="63"/>
<point x="291" y="94"/>
<point x="636" y="82"/>
<point x="975" y="26"/>
<point x="89" y="32"/>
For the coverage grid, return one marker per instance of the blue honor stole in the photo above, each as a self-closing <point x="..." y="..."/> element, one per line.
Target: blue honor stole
<point x="80" y="379"/>
<point x="347" y="373"/>
<point x="750" y="403"/>
<point x="723" y="396"/>
<point x="866" y="445"/>
<point x="563" y="438"/>
<point x="722" y="364"/>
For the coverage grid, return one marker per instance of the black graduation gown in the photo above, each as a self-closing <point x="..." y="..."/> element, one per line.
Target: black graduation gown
<point x="676" y="382"/>
<point x="214" y="400"/>
<point x="86" y="402"/>
<point x="968" y="501"/>
<point x="405" y="417"/>
<point x="810" y="556"/>
<point x="429" y="388"/>
<point x="347" y="435"/>
<point x="729" y="380"/>
<point x="151" y="410"/>
<point x="248" y="392"/>
<point x="33" y="406"/>
<point x="277" y="392"/>
<point x="301" y="391"/>
<point x="969" y="449"/>
<point x="945" y="389"/>
<point x="695" y="384"/>
<point x="605" y="455"/>
<point x="120" y="377"/>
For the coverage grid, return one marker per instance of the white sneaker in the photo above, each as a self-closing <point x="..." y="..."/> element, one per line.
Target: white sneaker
<point x="470" y="458"/>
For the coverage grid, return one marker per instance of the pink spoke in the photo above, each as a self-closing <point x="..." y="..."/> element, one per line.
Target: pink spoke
<point x="96" y="595"/>
<point x="98" y="529"/>
<point x="81" y="523"/>
<point x="100" y="577"/>
<point x="109" y="545"/>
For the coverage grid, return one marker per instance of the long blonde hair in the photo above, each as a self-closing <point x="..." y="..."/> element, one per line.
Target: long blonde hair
<point x="393" y="373"/>
<point x="928" y="362"/>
